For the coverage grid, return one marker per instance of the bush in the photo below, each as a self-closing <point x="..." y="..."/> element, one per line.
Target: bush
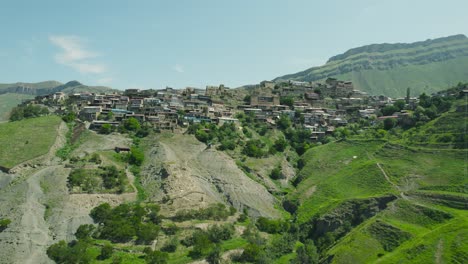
<point x="136" y="156"/>
<point x="271" y="226"/>
<point x="389" y="123"/>
<point x="171" y="245"/>
<point x="85" y="231"/>
<point x="28" y="111"/>
<point x="4" y="223"/>
<point x="276" y="173"/>
<point x="106" y="129"/>
<point x="218" y="233"/>
<point x="254" y="148"/>
<point x="280" y="144"/>
<point x="106" y="252"/>
<point x="132" y="124"/>
<point x="156" y="257"/>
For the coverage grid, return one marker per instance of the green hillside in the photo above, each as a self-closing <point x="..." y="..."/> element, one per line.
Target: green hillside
<point x="388" y="69"/>
<point x="402" y="199"/>
<point x="26" y="139"/>
<point x="8" y="101"/>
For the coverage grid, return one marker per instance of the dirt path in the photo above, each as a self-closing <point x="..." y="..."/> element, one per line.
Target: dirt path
<point x="438" y="254"/>
<point x="402" y="194"/>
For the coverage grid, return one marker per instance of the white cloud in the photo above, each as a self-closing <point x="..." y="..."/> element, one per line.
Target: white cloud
<point x="178" y="68"/>
<point x="104" y="81"/>
<point x="73" y="54"/>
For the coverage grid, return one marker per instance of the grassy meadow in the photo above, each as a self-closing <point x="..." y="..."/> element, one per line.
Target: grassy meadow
<point x="26" y="139"/>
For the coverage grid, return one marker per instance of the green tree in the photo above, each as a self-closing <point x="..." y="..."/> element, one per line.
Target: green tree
<point x="276" y="173"/>
<point x="136" y="156"/>
<point x="106" y="252"/>
<point x="288" y="100"/>
<point x="85" y="231"/>
<point x="284" y="122"/>
<point x="146" y="232"/>
<point x="306" y="254"/>
<point x="389" y="123"/>
<point x="280" y="144"/>
<point x="400" y="104"/>
<point x="132" y="124"/>
<point x="389" y="110"/>
<point x="214" y="257"/>
<point x="156" y="257"/>
<point x="101" y="213"/>
<point x="105" y="129"/>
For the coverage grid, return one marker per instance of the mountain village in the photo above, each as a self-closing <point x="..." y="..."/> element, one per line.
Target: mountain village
<point x="320" y="107"/>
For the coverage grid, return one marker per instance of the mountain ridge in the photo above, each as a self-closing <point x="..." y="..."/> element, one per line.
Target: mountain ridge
<point x="48" y="87"/>
<point x="390" y="68"/>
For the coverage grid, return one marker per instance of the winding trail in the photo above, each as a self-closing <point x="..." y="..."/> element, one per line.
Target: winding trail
<point x="402" y="194"/>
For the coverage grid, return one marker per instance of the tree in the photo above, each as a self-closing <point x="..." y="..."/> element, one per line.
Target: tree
<point x="214" y="257"/>
<point x="280" y="144"/>
<point x="408" y="93"/>
<point x="136" y="156"/>
<point x="289" y="101"/>
<point x="105" y="129"/>
<point x="306" y="254"/>
<point x="146" y="232"/>
<point x="389" y="110"/>
<point x="106" y="252"/>
<point x="85" y="231"/>
<point x="389" y="123"/>
<point x="132" y="124"/>
<point x="284" y="122"/>
<point x="101" y="213"/>
<point x="400" y="104"/>
<point x="247" y="99"/>
<point x="156" y="257"/>
<point x="276" y="173"/>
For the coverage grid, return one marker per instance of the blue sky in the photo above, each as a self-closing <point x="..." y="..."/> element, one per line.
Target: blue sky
<point x="179" y="43"/>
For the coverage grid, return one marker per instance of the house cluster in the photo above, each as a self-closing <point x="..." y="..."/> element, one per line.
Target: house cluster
<point x="321" y="107"/>
<point x="165" y="109"/>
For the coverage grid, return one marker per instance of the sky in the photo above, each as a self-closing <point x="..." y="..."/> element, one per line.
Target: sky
<point x="179" y="43"/>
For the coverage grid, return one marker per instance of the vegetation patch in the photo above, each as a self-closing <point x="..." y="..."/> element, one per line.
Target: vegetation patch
<point x="214" y="212"/>
<point x="389" y="236"/>
<point x="102" y="179"/>
<point x="26" y="139"/>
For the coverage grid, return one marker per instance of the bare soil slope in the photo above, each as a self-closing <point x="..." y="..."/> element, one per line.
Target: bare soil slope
<point x="194" y="176"/>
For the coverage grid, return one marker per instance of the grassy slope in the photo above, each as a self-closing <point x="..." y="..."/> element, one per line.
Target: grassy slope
<point x="26" y="139"/>
<point x="337" y="172"/>
<point x="421" y="78"/>
<point x="10" y="100"/>
<point x="336" y="176"/>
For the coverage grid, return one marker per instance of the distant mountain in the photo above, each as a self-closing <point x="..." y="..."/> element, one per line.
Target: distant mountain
<point x="425" y="66"/>
<point x="14" y="93"/>
<point x="48" y="87"/>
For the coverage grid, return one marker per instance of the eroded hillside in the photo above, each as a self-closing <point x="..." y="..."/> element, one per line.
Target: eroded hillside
<point x="193" y="175"/>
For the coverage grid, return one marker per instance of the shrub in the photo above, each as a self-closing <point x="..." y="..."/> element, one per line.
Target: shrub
<point x="106" y="129"/>
<point x="132" y="124"/>
<point x="276" y="173"/>
<point x="4" y="223"/>
<point x="136" y="156"/>
<point x="271" y="226"/>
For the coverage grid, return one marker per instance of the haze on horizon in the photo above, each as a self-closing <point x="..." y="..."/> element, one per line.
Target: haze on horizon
<point x="153" y="44"/>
